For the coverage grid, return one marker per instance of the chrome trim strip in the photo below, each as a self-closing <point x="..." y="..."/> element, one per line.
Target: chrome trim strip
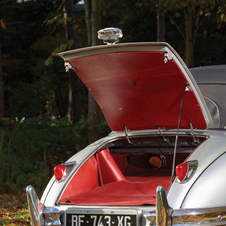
<point x="145" y="46"/>
<point x="208" y="216"/>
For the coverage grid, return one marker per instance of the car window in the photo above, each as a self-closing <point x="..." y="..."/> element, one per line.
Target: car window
<point x="214" y="112"/>
<point x="215" y="98"/>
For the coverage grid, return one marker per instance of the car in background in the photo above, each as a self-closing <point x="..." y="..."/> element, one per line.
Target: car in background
<point x="164" y="161"/>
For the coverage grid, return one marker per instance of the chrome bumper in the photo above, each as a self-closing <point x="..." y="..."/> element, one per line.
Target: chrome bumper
<point x="165" y="215"/>
<point x="40" y="214"/>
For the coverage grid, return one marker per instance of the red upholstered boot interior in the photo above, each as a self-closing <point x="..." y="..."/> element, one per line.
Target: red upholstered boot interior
<point x="85" y="179"/>
<point x="111" y="180"/>
<point x="108" y="169"/>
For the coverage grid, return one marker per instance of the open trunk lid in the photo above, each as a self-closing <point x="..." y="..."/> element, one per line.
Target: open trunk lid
<point x="140" y="85"/>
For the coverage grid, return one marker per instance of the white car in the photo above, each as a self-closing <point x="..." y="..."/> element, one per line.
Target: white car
<point x="164" y="162"/>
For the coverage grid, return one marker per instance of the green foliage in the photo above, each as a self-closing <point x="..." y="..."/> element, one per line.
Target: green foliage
<point x="31" y="149"/>
<point x="175" y="5"/>
<point x="138" y="23"/>
<point x="210" y="42"/>
<point x="24" y="25"/>
<point x="50" y="83"/>
<point x="63" y="47"/>
<point x="23" y="101"/>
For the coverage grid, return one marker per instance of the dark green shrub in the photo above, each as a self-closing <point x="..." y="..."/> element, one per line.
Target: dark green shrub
<point x="31" y="149"/>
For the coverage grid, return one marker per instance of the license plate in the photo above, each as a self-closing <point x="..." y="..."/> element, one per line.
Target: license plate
<point x="100" y="219"/>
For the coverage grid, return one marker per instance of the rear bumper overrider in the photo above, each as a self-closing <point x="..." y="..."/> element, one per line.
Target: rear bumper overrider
<point x="40" y="214"/>
<point x="165" y="215"/>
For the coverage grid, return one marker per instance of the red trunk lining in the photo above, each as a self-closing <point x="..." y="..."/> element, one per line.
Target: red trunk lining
<point x="147" y="91"/>
<point x="84" y="180"/>
<point x="138" y="187"/>
<point x="122" y="193"/>
<point x="108" y="169"/>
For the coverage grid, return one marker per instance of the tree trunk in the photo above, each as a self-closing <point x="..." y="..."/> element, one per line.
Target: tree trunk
<point x="161" y="30"/>
<point x="1" y="153"/>
<point x="88" y="8"/>
<point x="74" y="109"/>
<point x="1" y="90"/>
<point x="96" y="21"/>
<point x="93" y="23"/>
<point x="189" y="47"/>
<point x="94" y="119"/>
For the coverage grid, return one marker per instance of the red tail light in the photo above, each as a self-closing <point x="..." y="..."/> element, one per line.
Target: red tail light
<point x="185" y="170"/>
<point x="59" y="171"/>
<point x="181" y="171"/>
<point x="63" y="170"/>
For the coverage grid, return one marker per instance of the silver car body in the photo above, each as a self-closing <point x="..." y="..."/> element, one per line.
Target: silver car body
<point x="199" y="200"/>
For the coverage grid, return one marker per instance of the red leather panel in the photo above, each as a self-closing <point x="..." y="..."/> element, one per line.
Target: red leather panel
<point x="121" y="161"/>
<point x="108" y="169"/>
<point x="84" y="180"/>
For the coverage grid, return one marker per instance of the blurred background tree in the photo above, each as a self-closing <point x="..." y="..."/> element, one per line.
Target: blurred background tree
<point x="192" y="12"/>
<point x="23" y="26"/>
<point x="93" y="24"/>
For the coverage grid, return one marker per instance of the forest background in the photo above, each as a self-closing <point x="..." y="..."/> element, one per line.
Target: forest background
<point x="46" y="113"/>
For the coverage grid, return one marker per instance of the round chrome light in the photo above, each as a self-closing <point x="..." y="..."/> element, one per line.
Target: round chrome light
<point x="110" y="35"/>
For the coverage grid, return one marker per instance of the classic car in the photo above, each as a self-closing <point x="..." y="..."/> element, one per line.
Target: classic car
<point x="164" y="161"/>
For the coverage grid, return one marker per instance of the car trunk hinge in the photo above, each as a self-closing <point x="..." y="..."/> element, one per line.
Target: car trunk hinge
<point x="192" y="133"/>
<point x="168" y="56"/>
<point x="175" y="146"/>
<point x="67" y="66"/>
<point x="127" y="136"/>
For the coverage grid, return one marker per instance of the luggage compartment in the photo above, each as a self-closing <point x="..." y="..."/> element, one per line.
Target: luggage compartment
<point x="127" y="174"/>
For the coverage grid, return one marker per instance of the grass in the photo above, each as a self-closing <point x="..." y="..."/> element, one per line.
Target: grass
<point x="14" y="210"/>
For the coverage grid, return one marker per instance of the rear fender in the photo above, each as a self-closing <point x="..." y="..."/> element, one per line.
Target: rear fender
<point x="165" y="215"/>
